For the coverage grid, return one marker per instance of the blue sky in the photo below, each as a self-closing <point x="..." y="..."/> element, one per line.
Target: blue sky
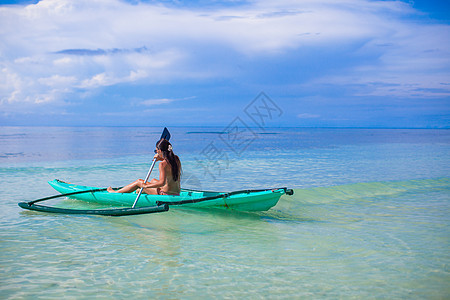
<point x="325" y="63"/>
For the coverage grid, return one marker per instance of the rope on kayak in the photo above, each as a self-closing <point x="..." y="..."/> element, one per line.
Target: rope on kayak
<point x="103" y="212"/>
<point x="224" y="195"/>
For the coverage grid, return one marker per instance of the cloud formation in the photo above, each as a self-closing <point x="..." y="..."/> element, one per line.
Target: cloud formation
<point x="154" y="102"/>
<point x="60" y="49"/>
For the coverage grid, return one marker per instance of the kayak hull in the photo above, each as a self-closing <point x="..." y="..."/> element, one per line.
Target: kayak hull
<point x="257" y="200"/>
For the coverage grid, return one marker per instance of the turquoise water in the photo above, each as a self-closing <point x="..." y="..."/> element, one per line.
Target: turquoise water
<point x="369" y="218"/>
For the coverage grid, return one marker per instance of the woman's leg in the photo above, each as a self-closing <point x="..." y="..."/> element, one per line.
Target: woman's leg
<point x="126" y="189"/>
<point x="151" y="191"/>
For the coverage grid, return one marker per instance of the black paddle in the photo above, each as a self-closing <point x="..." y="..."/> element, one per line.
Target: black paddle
<point x="165" y="135"/>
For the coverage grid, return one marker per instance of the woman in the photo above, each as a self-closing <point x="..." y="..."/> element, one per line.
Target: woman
<point x="169" y="174"/>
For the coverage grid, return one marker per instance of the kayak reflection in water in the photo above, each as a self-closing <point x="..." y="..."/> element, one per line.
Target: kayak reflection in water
<point x="169" y="174"/>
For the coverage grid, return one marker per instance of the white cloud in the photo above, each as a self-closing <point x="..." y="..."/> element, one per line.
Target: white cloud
<point x="153" y="102"/>
<point x="413" y="60"/>
<point x="56" y="47"/>
<point x="308" y="116"/>
<point x="57" y="80"/>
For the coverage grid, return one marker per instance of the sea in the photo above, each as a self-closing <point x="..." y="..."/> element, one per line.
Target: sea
<point x="369" y="218"/>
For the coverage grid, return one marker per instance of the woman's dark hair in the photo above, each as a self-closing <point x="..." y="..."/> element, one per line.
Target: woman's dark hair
<point x="174" y="161"/>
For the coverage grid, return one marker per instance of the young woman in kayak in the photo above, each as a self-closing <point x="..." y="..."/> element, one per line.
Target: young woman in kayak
<point x="169" y="174"/>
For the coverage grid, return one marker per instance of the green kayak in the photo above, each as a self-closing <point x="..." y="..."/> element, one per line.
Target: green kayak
<point x="246" y="200"/>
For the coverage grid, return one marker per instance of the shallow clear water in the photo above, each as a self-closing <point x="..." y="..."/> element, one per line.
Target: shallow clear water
<point x="369" y="217"/>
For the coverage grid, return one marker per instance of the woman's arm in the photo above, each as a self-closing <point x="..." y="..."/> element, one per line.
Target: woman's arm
<point x="159" y="182"/>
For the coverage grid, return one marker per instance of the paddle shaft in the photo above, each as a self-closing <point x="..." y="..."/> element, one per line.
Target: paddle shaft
<point x="165" y="135"/>
<point x="145" y="181"/>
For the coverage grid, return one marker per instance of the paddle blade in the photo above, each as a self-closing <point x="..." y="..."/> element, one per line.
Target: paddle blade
<point x="165" y="134"/>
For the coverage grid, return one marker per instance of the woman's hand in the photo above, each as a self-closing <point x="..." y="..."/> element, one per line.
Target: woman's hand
<point x="140" y="183"/>
<point x="157" y="157"/>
